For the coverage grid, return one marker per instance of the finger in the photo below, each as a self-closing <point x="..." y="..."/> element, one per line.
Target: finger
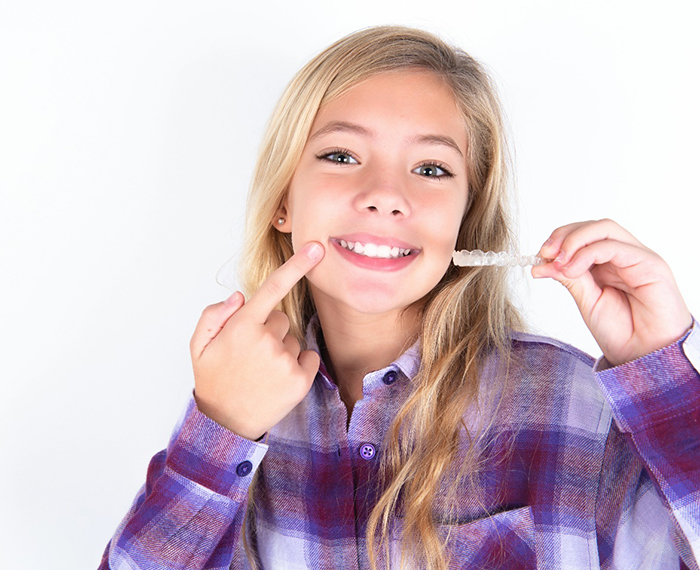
<point x="550" y="248"/>
<point x="605" y="265"/>
<point x="292" y="345"/>
<point x="584" y="289"/>
<point x="639" y="265"/>
<point x="309" y="362"/>
<point x="213" y="319"/>
<point x="278" y="322"/>
<point x="567" y="240"/>
<point x="281" y="281"/>
<point x="620" y="255"/>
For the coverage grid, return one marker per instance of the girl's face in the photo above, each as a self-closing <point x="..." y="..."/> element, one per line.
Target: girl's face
<point x="382" y="185"/>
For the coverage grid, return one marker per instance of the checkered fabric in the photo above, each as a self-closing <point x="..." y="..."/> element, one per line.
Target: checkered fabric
<point x="585" y="466"/>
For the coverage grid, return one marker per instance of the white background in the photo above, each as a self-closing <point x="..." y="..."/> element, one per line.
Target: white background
<point x="128" y="132"/>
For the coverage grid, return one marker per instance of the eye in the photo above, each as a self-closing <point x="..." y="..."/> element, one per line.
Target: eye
<point x="339" y="156"/>
<point x="432" y="170"/>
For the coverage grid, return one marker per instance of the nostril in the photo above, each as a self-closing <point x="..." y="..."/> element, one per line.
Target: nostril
<point x="396" y="212"/>
<point x="372" y="208"/>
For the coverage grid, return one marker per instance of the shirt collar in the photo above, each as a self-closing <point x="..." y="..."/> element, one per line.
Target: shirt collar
<point x="408" y="363"/>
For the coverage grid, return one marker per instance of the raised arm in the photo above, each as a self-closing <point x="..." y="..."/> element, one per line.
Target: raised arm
<point x="249" y="374"/>
<point x="650" y="375"/>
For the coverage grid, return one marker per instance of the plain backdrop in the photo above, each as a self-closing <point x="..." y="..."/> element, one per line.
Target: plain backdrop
<point x="128" y="132"/>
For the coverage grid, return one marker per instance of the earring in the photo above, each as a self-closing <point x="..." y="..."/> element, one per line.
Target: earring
<point x="280" y="221"/>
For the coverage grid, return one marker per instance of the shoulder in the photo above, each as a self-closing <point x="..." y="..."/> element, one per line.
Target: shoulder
<point x="537" y="346"/>
<point x="552" y="383"/>
<point x="541" y="359"/>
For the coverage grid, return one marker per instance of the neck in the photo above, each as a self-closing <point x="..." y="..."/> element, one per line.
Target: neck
<point x="356" y="344"/>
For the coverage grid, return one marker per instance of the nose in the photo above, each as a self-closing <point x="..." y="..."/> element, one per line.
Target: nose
<point x="383" y="194"/>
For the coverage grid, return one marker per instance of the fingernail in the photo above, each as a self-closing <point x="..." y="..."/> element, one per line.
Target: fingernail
<point x="561" y="257"/>
<point x="314" y="251"/>
<point x="549" y="242"/>
<point x="231" y="300"/>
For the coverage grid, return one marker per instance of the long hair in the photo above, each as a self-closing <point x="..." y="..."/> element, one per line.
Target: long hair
<point x="467" y="314"/>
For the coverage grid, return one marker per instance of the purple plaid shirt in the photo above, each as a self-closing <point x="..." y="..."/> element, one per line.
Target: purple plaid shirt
<point x="585" y="467"/>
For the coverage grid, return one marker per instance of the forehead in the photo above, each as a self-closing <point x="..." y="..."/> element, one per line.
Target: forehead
<point x="417" y="98"/>
<point x="385" y="77"/>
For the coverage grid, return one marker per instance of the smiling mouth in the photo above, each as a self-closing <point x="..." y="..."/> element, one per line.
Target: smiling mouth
<point x="375" y="251"/>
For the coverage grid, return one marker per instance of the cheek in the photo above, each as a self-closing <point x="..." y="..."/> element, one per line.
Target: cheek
<point x="446" y="223"/>
<point x="304" y="196"/>
<point x="309" y="218"/>
<point x="456" y="220"/>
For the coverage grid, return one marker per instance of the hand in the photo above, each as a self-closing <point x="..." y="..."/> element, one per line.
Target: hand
<point x="626" y="293"/>
<point x="248" y="371"/>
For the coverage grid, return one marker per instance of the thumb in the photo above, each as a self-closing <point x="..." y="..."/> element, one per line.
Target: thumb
<point x="213" y="319"/>
<point x="583" y="288"/>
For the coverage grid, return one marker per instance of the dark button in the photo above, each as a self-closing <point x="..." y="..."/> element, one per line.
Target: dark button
<point x="367" y="451"/>
<point x="244" y="468"/>
<point x="390" y="377"/>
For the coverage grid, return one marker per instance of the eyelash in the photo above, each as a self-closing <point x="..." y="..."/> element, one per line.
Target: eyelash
<point x="325" y="155"/>
<point x="439" y="165"/>
<point x="344" y="151"/>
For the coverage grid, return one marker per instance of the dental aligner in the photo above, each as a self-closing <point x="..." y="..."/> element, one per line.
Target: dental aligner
<point x="478" y="258"/>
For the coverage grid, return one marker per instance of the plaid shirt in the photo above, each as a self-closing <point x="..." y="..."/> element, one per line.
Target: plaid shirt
<point x="585" y="467"/>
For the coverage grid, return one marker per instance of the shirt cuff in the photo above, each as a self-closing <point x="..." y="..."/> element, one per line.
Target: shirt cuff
<point x="208" y="454"/>
<point x="655" y="387"/>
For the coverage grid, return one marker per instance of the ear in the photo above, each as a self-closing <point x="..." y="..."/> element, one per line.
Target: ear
<point x="282" y="221"/>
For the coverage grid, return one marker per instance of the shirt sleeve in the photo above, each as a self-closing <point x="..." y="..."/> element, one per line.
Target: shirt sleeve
<point x="655" y="401"/>
<point x="189" y="513"/>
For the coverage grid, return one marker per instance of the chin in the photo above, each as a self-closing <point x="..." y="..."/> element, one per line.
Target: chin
<point x="365" y="296"/>
<point x="378" y="303"/>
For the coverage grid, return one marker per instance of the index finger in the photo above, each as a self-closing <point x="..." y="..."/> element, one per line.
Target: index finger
<point x="566" y="240"/>
<point x="281" y="281"/>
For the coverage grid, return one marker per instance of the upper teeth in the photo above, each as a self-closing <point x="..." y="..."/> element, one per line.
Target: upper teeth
<point x="374" y="250"/>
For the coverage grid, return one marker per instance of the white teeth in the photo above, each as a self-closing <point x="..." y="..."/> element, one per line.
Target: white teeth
<point x="384" y="251"/>
<point x="373" y="250"/>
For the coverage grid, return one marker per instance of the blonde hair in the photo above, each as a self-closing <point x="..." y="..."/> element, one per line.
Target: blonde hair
<point x="468" y="313"/>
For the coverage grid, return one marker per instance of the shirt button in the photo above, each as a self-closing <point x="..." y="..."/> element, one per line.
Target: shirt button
<point x="390" y="377"/>
<point x="367" y="451"/>
<point x="244" y="468"/>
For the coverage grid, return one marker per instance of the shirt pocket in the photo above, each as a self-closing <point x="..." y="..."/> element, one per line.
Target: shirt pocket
<point x="502" y="540"/>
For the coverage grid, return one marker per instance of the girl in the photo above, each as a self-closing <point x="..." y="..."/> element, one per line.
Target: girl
<point x="371" y="405"/>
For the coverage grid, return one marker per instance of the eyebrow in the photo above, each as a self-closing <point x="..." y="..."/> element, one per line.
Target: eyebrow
<point x="345" y="127"/>
<point x="438" y="140"/>
<point x="341" y="127"/>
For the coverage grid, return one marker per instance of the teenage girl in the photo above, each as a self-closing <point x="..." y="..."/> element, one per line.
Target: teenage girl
<point x="370" y="405"/>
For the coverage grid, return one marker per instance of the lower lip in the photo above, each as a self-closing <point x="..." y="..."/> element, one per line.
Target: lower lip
<point x="376" y="263"/>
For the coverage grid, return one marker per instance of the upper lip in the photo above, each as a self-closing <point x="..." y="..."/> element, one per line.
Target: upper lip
<point x="364" y="238"/>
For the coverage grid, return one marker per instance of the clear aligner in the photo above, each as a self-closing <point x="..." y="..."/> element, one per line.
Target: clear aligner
<point x="478" y="258"/>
